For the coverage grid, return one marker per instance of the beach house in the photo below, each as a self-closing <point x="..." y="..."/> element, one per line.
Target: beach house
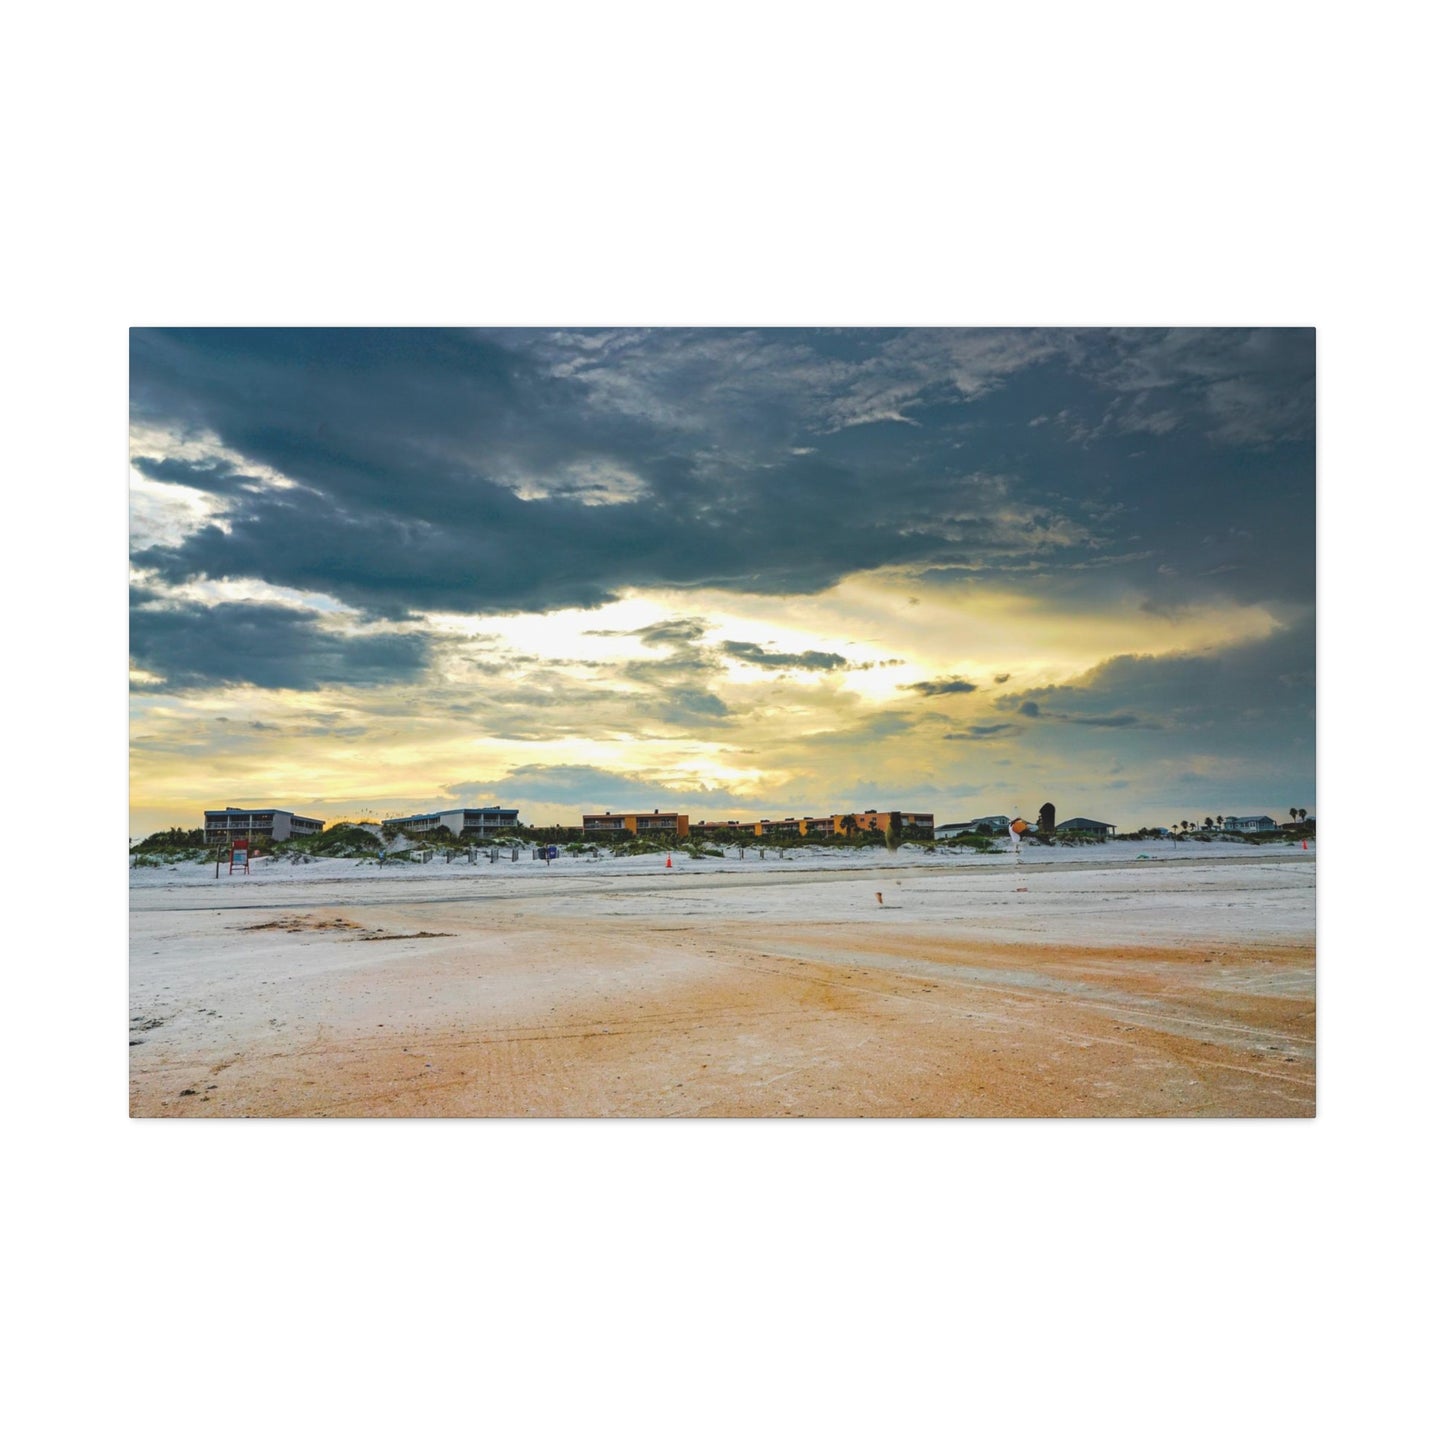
<point x="1256" y="824"/>
<point x="1089" y="827"/>
<point x="224" y="824"/>
<point x="470" y="822"/>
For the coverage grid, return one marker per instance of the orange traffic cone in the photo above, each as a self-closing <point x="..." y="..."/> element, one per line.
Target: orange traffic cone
<point x="669" y="860"/>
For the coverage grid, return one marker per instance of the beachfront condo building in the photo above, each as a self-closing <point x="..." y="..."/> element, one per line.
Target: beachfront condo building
<point x="225" y="824"/>
<point x="874" y="822"/>
<point x="464" y="822"/>
<point x="825" y="827"/>
<point x="636" y="823"/>
<point x="789" y="827"/>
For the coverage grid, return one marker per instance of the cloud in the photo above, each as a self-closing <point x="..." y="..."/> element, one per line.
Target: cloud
<point x="1115" y="720"/>
<point x="675" y="630"/>
<point x="402" y="472"/>
<point x="984" y="732"/>
<point x="750" y="652"/>
<point x="1250" y="696"/>
<point x="1249" y="387"/>
<point x="189" y="645"/>
<point x="599" y="789"/>
<point x="940" y="686"/>
<point x="211" y="475"/>
<point x="465" y="471"/>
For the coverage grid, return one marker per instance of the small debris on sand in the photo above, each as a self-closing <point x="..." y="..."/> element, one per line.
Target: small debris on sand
<point x="393" y="937"/>
<point x="301" y="924"/>
<point x="360" y="932"/>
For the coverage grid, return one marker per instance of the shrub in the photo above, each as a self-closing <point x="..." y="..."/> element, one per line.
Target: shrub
<point x="171" y="839"/>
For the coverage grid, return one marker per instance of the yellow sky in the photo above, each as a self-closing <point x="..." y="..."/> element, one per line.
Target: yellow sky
<point x="520" y="690"/>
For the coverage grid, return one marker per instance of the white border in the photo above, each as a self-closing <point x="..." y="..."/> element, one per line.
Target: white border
<point x="1046" y="164"/>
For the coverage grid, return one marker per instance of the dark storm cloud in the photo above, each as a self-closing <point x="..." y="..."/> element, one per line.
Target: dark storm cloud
<point x="1251" y="387"/>
<point x="207" y="476"/>
<point x="1258" y="694"/>
<point x="813" y="661"/>
<point x="676" y="630"/>
<point x="190" y="645"/>
<point x="1115" y="720"/>
<point x="984" y="732"/>
<point x="940" y="686"/>
<point x="455" y="470"/>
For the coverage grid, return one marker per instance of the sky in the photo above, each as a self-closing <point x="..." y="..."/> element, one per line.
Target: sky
<point x="740" y="573"/>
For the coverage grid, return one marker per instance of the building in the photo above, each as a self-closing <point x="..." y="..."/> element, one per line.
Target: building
<point x="821" y="827"/>
<point x="994" y="823"/>
<point x="636" y="823"/>
<point x="1258" y="824"/>
<point x="471" y="822"/>
<point x="225" y="824"/>
<point x="780" y="827"/>
<point x="876" y="822"/>
<point x="766" y="827"/>
<point x="1087" y="826"/>
<point x="983" y="827"/>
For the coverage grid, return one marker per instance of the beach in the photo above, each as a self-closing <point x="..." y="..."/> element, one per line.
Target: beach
<point x="1076" y="982"/>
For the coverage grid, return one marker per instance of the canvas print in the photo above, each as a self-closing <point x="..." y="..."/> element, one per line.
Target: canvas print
<point x="722" y="723"/>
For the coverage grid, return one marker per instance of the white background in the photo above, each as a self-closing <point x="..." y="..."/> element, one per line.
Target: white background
<point x="659" y="164"/>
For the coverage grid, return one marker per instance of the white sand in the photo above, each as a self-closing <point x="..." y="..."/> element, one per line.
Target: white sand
<point x="524" y="988"/>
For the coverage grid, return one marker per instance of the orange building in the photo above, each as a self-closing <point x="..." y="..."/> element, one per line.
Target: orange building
<point x="878" y="822"/>
<point x="636" y="823"/>
<point x="798" y="827"/>
<point x="819" y="827"/>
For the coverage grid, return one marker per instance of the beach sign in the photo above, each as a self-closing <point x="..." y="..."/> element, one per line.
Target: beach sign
<point x="240" y="856"/>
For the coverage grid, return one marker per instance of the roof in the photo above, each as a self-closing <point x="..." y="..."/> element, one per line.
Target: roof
<point x="1087" y="822"/>
<point x="259" y="808"/>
